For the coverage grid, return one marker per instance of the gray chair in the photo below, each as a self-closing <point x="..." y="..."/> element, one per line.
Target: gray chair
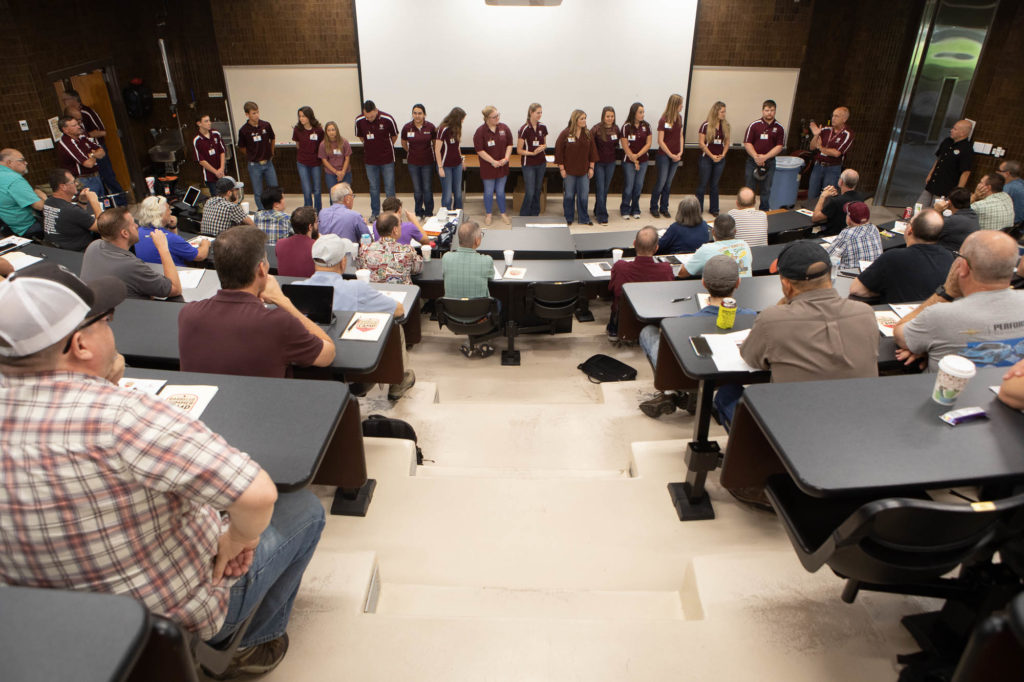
<point x="477" y="318"/>
<point x="549" y="303"/>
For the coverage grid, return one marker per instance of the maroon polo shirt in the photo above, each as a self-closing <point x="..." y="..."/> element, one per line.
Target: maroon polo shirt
<point x="831" y="138"/>
<point x="764" y="136"/>
<point x="256" y="140"/>
<point x="209" y="149"/>
<point x="672" y="134"/>
<point x="72" y="153"/>
<point x="91" y="121"/>
<point x="575" y="153"/>
<point x="641" y="269"/>
<point x="495" y="143"/>
<point x="307" y="144"/>
<point x="234" y="333"/>
<point x="451" y="155"/>
<point x="636" y="137"/>
<point x="716" y="141"/>
<point x="378" y="149"/>
<point x="294" y="256"/>
<point x="421" y="143"/>
<point x="607" y="149"/>
<point x="535" y="138"/>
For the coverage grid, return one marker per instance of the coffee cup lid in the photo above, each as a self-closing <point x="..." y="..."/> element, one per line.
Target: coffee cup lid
<point x="957" y="366"/>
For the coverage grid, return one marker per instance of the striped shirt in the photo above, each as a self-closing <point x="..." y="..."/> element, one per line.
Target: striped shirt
<point x="378" y="147"/>
<point x="830" y="139"/>
<point x="751" y="225"/>
<point x="72" y="153"/>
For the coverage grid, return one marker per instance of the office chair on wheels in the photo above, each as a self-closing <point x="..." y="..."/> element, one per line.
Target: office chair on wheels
<point x="477" y="318"/>
<point x="549" y="302"/>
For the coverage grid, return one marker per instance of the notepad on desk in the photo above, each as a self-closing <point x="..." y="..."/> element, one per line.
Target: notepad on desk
<point x="514" y="273"/>
<point x="805" y="212"/>
<point x="886" y="320"/>
<point x="192" y="400"/>
<point x="19" y="259"/>
<point x="725" y="351"/>
<point x="365" y="327"/>
<point x="190" y="277"/>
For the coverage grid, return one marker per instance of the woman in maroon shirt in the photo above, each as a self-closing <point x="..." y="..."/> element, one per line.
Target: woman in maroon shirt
<point x="418" y="137"/>
<point x="576" y="155"/>
<point x="636" y="140"/>
<point x="670" y="154"/>
<point x="335" y="154"/>
<point x="533" y="137"/>
<point x="606" y="139"/>
<point x="307" y="135"/>
<point x="493" y="144"/>
<point x="448" y="154"/>
<point x="714" y="142"/>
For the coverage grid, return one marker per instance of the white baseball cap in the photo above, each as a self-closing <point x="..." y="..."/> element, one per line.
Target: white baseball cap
<point x="330" y="249"/>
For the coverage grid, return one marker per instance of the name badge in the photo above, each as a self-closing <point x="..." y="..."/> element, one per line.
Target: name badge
<point x="212" y="152"/>
<point x="668" y="127"/>
<point x="632" y="138"/>
<point x="614" y="137"/>
<point x="490" y="143"/>
<point x="502" y="133"/>
<point x="956" y="151"/>
<point x="451" y="140"/>
<point x="369" y="136"/>
<point x="570" y="139"/>
<point x="313" y="137"/>
<point x="536" y="143"/>
<point x="257" y="138"/>
<point x="410" y="135"/>
<point x="717" y="140"/>
<point x="764" y="136"/>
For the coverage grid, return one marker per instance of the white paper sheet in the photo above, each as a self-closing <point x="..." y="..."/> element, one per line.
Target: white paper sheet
<point x="190" y="277"/>
<point x="902" y="309"/>
<point x="886" y="321"/>
<point x="702" y="299"/>
<point x="805" y="212"/>
<point x="192" y="400"/>
<point x="899" y="228"/>
<point x="864" y="264"/>
<point x="149" y="386"/>
<point x="13" y="240"/>
<point x="497" y="272"/>
<point x="514" y="273"/>
<point x="596" y="271"/>
<point x="19" y="260"/>
<point x="398" y="296"/>
<point x="725" y="351"/>
<point x="829" y="240"/>
<point x="365" y="327"/>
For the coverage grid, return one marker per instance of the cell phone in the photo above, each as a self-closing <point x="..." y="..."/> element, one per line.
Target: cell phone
<point x="701" y="346"/>
<point x="605" y="266"/>
<point x="671" y="259"/>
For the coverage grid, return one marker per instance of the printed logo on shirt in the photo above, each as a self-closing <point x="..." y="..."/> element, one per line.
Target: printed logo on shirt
<point x="996" y="353"/>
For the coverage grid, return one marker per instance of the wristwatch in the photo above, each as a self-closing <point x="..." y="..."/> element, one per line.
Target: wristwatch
<point x="941" y="292"/>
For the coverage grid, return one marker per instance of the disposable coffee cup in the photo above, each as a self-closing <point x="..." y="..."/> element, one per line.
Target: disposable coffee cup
<point x="509" y="254"/>
<point x="835" y="260"/>
<point x="616" y="255"/>
<point x="363" y="275"/>
<point x="245" y="207"/>
<point x="425" y="250"/>
<point x="954" y="373"/>
<point x="150" y="183"/>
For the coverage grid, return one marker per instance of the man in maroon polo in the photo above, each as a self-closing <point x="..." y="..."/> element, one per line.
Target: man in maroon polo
<point x="640" y="269"/>
<point x="92" y="126"/>
<point x="763" y="142"/>
<point x="256" y="138"/>
<point x="832" y="142"/>
<point x="209" y="150"/>
<point x="79" y="155"/>
<point x="378" y="131"/>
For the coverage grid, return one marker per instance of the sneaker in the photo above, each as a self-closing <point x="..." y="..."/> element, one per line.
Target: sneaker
<point x="602" y="222"/>
<point x="614" y="338"/>
<point x="568" y="223"/>
<point x="359" y="389"/>
<point x="663" y="403"/>
<point x="586" y="222"/>
<point x="396" y="391"/>
<point x="373" y="219"/>
<point x="636" y="216"/>
<point x="255" y="660"/>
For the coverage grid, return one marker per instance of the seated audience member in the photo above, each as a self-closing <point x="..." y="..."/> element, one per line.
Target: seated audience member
<point x="1011" y="391"/>
<point x="859" y="240"/>
<point x="339" y="218"/>
<point x="962" y="222"/>
<point x="974" y="314"/>
<point x="688" y="232"/>
<point x="141" y="486"/>
<point x="410" y="226"/>
<point x="223" y="211"/>
<point x="109" y="256"/>
<point x="910" y="274"/>
<point x="274" y="222"/>
<point x="829" y="208"/>
<point x="1013" y="186"/>
<point x="721" y="278"/>
<point x="295" y="253"/>
<point x="18" y="201"/>
<point x="155" y="214"/>
<point x="726" y="244"/>
<point x="386" y="259"/>
<point x="68" y="222"/>
<point x="640" y="269"/>
<point x="466" y="272"/>
<point x="233" y="332"/>
<point x="993" y="206"/>
<point x="751" y="224"/>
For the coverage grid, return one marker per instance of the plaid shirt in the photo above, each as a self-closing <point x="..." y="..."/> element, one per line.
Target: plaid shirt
<point x="219" y="214"/>
<point x="276" y="224"/>
<point x="994" y="211"/>
<point x="391" y="262"/>
<point x="466" y="273"/>
<point x="856" y="243"/>
<point x="108" y="490"/>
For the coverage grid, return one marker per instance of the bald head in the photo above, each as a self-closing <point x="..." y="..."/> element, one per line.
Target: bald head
<point x="927" y="226"/>
<point x="745" y="198"/>
<point x="840" y="116"/>
<point x="961" y="130"/>
<point x="470" y="234"/>
<point x="646" y="242"/>
<point x="849" y="178"/>
<point x="991" y="255"/>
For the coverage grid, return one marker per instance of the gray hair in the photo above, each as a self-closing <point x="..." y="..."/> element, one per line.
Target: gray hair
<point x="992" y="256"/>
<point x="469" y="231"/>
<point x="688" y="212"/>
<point x="724" y="227"/>
<point x="150" y="212"/>
<point x="340" y="191"/>
<point x="745" y="198"/>
<point x="850" y="178"/>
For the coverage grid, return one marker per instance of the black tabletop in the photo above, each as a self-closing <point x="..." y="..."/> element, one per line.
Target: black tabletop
<point x="555" y="270"/>
<point x="787" y="220"/>
<point x="884" y="435"/>
<point x="60" y="635"/>
<point x="677" y="332"/>
<point x="283" y="424"/>
<point x="529" y="243"/>
<point x="72" y="260"/>
<point x="600" y="244"/>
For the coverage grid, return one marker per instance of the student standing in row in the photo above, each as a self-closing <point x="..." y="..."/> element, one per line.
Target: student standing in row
<point x="532" y="144"/>
<point x="378" y="131"/>
<point x="335" y="153"/>
<point x="763" y="143"/>
<point x="307" y="136"/>
<point x="670" y="154"/>
<point x="418" y="137"/>
<point x="576" y="154"/>
<point x="256" y="138"/>
<point x="209" y="149"/>
<point x="448" y="154"/>
<point x="606" y="140"/>
<point x="635" y="140"/>
<point x="493" y="144"/>
<point x="714" y="143"/>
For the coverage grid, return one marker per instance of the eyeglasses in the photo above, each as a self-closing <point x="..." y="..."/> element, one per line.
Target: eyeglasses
<point x="957" y="254"/>
<point x="105" y="317"/>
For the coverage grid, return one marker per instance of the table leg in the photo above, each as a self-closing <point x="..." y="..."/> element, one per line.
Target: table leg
<point x="691" y="501"/>
<point x="413" y="325"/>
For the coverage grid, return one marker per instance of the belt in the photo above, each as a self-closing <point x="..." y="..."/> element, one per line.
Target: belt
<point x="258" y="163"/>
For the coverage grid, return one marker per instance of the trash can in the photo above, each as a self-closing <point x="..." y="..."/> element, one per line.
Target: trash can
<point x="786" y="182"/>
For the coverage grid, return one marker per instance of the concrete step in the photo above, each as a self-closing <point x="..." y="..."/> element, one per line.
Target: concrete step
<point x="429" y="470"/>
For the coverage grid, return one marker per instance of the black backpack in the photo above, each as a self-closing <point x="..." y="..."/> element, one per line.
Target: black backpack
<point x="601" y="368"/>
<point x="379" y="426"/>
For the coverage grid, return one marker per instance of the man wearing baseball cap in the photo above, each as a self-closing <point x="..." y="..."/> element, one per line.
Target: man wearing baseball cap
<point x="859" y="240"/>
<point x="141" y="486"/>
<point x="223" y="210"/>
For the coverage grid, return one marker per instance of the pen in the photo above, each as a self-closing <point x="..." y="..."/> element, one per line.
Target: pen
<point x="684" y="298"/>
<point x="355" y="318"/>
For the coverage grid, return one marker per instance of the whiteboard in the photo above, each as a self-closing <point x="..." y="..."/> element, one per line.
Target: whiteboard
<point x="332" y="90"/>
<point x="743" y="89"/>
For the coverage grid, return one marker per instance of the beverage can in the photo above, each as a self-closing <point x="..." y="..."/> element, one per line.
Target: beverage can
<point x="908" y="213"/>
<point x="365" y="239"/>
<point x="726" y="314"/>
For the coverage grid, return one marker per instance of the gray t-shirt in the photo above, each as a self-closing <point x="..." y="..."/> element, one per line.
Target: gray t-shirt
<point x="103" y="259"/>
<point x="986" y="327"/>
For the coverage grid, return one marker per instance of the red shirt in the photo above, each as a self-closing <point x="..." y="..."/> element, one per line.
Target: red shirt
<point x="495" y="143"/>
<point x="607" y="150"/>
<point x="636" y="136"/>
<point x="91" y="121"/>
<point x="378" y="149"/>
<point x="535" y="138"/>
<point x="451" y="155"/>
<point x="764" y="136"/>
<point x="421" y="143"/>
<point x="672" y="134"/>
<point x="308" y="144"/>
<point x="575" y="153"/>
<point x="209" y="149"/>
<point x="295" y="256"/>
<point x="715" y="142"/>
<point x="830" y="138"/>
<point x="256" y="140"/>
<point x="72" y="153"/>
<point x="642" y="269"/>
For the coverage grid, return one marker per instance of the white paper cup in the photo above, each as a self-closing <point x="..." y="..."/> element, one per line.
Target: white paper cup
<point x="150" y="183"/>
<point x="835" y="260"/>
<point x="954" y="373"/>
<point x="509" y="254"/>
<point x="425" y="250"/>
<point x="245" y="207"/>
<point x="616" y="255"/>
<point x="363" y="275"/>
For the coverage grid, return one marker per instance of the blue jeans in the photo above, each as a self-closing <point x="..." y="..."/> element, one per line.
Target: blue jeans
<point x="666" y="171"/>
<point x="492" y="187"/>
<point x="212" y="186"/>
<point x="309" y="176"/>
<point x="94" y="183"/>
<point x="650" y="340"/>
<point x="451" y="187"/>
<point x="766" y="184"/>
<point x="577" y="191"/>
<point x="632" y="188"/>
<point x="278" y="563"/>
<point x="709" y="172"/>
<point x="603" y="173"/>
<point x="109" y="179"/>
<point x="330" y="180"/>
<point x="533" y="179"/>
<point x="423" y="193"/>
<point x="374" y="175"/>
<point x="726" y="398"/>
<point x="822" y="177"/>
<point x="261" y="175"/>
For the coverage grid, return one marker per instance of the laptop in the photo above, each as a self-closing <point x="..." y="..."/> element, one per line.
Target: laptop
<point x="313" y="301"/>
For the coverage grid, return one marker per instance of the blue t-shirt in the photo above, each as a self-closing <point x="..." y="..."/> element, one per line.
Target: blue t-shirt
<point x="1015" y="188"/>
<point x="182" y="253"/>
<point x="351" y="294"/>
<point x="679" y="238"/>
<point x="737" y="249"/>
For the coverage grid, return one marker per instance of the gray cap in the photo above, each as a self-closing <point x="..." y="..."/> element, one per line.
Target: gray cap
<point x="721" y="272"/>
<point x="330" y="249"/>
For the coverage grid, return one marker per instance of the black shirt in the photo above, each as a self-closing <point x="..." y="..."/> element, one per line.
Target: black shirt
<point x="954" y="158"/>
<point x="956" y="227"/>
<point x="833" y="210"/>
<point x="67" y="225"/>
<point x="910" y="274"/>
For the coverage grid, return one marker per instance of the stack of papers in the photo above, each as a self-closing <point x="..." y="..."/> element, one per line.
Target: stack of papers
<point x="19" y="259"/>
<point x="365" y="327"/>
<point x="725" y="351"/>
<point x="900" y="227"/>
<point x="192" y="400"/>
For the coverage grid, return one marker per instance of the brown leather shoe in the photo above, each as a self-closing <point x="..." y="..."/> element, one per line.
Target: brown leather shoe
<point x="255" y="660"/>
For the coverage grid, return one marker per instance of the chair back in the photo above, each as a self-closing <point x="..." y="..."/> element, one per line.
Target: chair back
<point x="553" y="300"/>
<point x="469" y="316"/>
<point x="167" y="656"/>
